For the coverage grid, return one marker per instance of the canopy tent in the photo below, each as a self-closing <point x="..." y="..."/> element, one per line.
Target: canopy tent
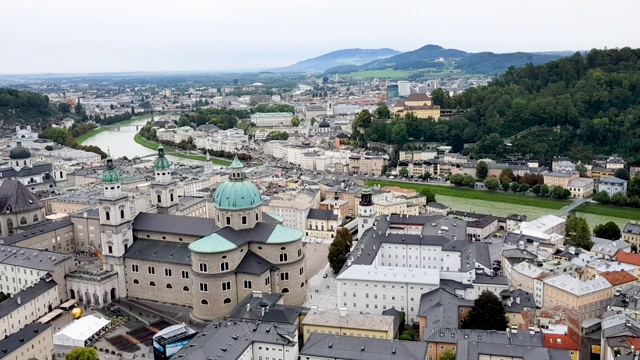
<point x="79" y="331"/>
<point x="50" y="316"/>
<point x="68" y="305"/>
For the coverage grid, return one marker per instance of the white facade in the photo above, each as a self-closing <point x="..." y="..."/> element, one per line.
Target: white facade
<point x="29" y="311"/>
<point x="404" y="88"/>
<point x="612" y="185"/>
<point x="271" y="119"/>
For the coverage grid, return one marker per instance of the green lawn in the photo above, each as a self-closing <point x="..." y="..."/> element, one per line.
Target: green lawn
<point x="171" y="151"/>
<point x="495" y="196"/>
<point x="610" y="210"/>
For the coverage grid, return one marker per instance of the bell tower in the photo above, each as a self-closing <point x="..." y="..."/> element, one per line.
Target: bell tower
<point x="115" y="225"/>
<point x="366" y="214"/>
<point x="164" y="189"/>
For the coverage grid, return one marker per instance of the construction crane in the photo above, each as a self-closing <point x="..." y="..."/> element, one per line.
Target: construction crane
<point x="97" y="252"/>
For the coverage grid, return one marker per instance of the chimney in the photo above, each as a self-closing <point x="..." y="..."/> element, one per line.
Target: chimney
<point x="84" y="214"/>
<point x="343" y="312"/>
<point x="257" y="294"/>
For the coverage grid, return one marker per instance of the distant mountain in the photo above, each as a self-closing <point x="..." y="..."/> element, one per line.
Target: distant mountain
<point x="429" y="56"/>
<point x="346" y="57"/>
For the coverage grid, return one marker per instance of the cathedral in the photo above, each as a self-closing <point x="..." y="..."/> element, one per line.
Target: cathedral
<point x="208" y="264"/>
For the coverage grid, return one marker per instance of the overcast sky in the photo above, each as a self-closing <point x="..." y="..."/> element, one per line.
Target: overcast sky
<point x="75" y="36"/>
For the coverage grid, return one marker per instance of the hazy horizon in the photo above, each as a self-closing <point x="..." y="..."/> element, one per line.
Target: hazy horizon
<point x="76" y="37"/>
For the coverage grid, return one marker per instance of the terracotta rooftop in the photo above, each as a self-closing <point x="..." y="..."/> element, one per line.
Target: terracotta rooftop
<point x="570" y="341"/>
<point x="628" y="258"/>
<point x="618" y="277"/>
<point x="418" y="97"/>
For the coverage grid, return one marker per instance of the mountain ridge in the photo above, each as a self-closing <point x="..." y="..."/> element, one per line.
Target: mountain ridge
<point x="354" y="56"/>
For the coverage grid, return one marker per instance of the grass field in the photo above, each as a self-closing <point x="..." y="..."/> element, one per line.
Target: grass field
<point x="609" y="210"/>
<point x="494" y="196"/>
<point x="171" y="151"/>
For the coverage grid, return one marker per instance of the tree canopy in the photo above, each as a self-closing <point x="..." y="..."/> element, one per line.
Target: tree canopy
<point x="609" y="230"/>
<point x="487" y="313"/>
<point x="277" y="135"/>
<point x="579" y="232"/>
<point x="339" y="249"/>
<point x="482" y="170"/>
<point x="82" y="354"/>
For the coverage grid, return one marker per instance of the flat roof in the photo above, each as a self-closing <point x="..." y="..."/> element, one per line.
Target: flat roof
<point x="333" y="318"/>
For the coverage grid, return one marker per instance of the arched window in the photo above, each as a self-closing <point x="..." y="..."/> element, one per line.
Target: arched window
<point x="205" y="302"/>
<point x="23" y="221"/>
<point x="227" y="301"/>
<point x="169" y="286"/>
<point x="10" y="226"/>
<point x="159" y="198"/>
<point x="203" y="267"/>
<point x="107" y="215"/>
<point x="35" y="218"/>
<point x="61" y="176"/>
<point x="224" y="266"/>
<point x="302" y="284"/>
<point x="151" y="283"/>
<point x="121" y="214"/>
<point x="185" y="288"/>
<point x="135" y="281"/>
<point x="285" y="290"/>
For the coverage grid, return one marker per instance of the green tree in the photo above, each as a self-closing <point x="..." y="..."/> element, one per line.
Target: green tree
<point x="608" y="230"/>
<point x="82" y="354"/>
<point x="295" y="121"/>
<point x="559" y="192"/>
<point x="634" y="185"/>
<point x="544" y="190"/>
<point x="536" y="189"/>
<point x="482" y="170"/>
<point x="382" y="111"/>
<point x="487" y="313"/>
<point x="339" y="249"/>
<point x="622" y="174"/>
<point x="426" y="176"/>
<point x="619" y="199"/>
<point x="79" y="109"/>
<point x="58" y="135"/>
<point x="277" y="135"/>
<point x="602" y="197"/>
<point x="505" y="186"/>
<point x="363" y="119"/>
<point x="582" y="170"/>
<point x="506" y="175"/>
<point x="491" y="146"/>
<point x="429" y="195"/>
<point x="399" y="134"/>
<point x="448" y="354"/>
<point x="456" y="179"/>
<point x="523" y="188"/>
<point x="468" y="181"/>
<point x="491" y="183"/>
<point x="64" y="108"/>
<point x="514" y="186"/>
<point x="579" y="233"/>
<point x="406" y="336"/>
<point x="403" y="172"/>
<point x="48" y="148"/>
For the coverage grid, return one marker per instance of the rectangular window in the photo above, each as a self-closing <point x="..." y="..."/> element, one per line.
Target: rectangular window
<point x="204" y="287"/>
<point x="110" y="249"/>
<point x="134" y="268"/>
<point x="247" y="284"/>
<point x="224" y="266"/>
<point x="226" y="286"/>
<point x="284" y="276"/>
<point x="302" y="270"/>
<point x="203" y="267"/>
<point x="267" y="280"/>
<point x="185" y="274"/>
<point x="167" y="272"/>
<point x="152" y="270"/>
<point x="228" y="220"/>
<point x="283" y="257"/>
<point x="244" y="220"/>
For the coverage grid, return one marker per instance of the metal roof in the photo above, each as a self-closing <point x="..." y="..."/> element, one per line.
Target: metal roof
<point x="16" y="341"/>
<point x="355" y="348"/>
<point x="25" y="296"/>
<point x="162" y="251"/>
<point x="174" y="224"/>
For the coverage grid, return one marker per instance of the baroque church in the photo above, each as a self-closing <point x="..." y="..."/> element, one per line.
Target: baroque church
<point x="208" y="264"/>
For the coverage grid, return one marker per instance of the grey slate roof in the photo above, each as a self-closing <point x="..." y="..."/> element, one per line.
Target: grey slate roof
<point x="15" y="341"/>
<point x="440" y="307"/>
<point x="43" y="227"/>
<point x="520" y="300"/>
<point x="355" y="348"/>
<point x="495" y="280"/>
<point x="256" y="304"/>
<point x="475" y="252"/>
<point x="227" y="340"/>
<point x="322" y="214"/>
<point x="162" y="251"/>
<point x="253" y="264"/>
<point x="471" y="350"/>
<point x="31" y="258"/>
<point x="25" y="296"/>
<point x="453" y="335"/>
<point x="16" y="198"/>
<point x="174" y="224"/>
<point x="35" y="169"/>
<point x="632" y="227"/>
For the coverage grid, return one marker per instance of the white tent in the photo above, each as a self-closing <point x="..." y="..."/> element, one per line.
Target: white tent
<point x="78" y="332"/>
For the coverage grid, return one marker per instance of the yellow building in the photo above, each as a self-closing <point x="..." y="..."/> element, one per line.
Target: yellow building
<point x="338" y="322"/>
<point x="560" y="178"/>
<point x="419" y="105"/>
<point x="589" y="298"/>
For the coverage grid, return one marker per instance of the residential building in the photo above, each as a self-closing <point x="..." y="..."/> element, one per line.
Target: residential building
<point x="615" y="162"/>
<point x="619" y="279"/>
<point x="442" y="308"/>
<point x="560" y="178"/>
<point x="590" y="298"/>
<point x="580" y="187"/>
<point x="271" y="119"/>
<point x="35" y="341"/>
<point x="293" y="207"/>
<point x="338" y="347"/>
<point x="612" y="185"/>
<point x="516" y="302"/>
<point x="631" y="233"/>
<point x="339" y="322"/>
<point x="28" y="305"/>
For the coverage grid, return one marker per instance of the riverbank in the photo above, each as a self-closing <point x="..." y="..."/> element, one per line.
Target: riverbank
<point x="516" y="201"/>
<point x="171" y="151"/>
<point x="84" y="137"/>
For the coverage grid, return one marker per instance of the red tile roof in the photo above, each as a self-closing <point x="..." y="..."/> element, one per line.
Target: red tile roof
<point x="618" y="277"/>
<point x="571" y="341"/>
<point x="418" y="97"/>
<point x="628" y="258"/>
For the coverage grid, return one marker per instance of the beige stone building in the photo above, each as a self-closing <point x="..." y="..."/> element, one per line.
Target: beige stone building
<point x="339" y="322"/>
<point x="589" y="298"/>
<point x="35" y="341"/>
<point x="27" y="306"/>
<point x="560" y="178"/>
<point x="419" y="105"/>
<point x="631" y="233"/>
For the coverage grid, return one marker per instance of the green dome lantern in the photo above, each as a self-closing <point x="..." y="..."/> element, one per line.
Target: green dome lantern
<point x="161" y="162"/>
<point x="237" y="193"/>
<point x="110" y="175"/>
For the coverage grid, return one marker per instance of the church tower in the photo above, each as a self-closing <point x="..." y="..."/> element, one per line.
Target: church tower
<point x="366" y="215"/>
<point x="164" y="188"/>
<point x="115" y="225"/>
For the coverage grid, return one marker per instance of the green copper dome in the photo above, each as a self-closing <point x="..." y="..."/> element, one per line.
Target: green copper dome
<point x="237" y="193"/>
<point x="161" y="162"/>
<point x="213" y="243"/>
<point x="110" y="175"/>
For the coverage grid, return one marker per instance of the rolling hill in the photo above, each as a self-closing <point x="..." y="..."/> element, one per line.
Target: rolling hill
<point x="346" y="57"/>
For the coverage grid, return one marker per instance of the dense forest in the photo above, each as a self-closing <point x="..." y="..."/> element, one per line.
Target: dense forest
<point x="580" y="106"/>
<point x="18" y="106"/>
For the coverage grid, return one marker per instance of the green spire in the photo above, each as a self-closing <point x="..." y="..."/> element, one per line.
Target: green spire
<point x="236" y="164"/>
<point x="110" y="175"/>
<point x="161" y="162"/>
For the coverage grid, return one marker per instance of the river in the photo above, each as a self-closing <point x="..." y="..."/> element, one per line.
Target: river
<point x="119" y="141"/>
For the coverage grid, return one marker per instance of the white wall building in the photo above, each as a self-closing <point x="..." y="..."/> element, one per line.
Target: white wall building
<point x="271" y="119"/>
